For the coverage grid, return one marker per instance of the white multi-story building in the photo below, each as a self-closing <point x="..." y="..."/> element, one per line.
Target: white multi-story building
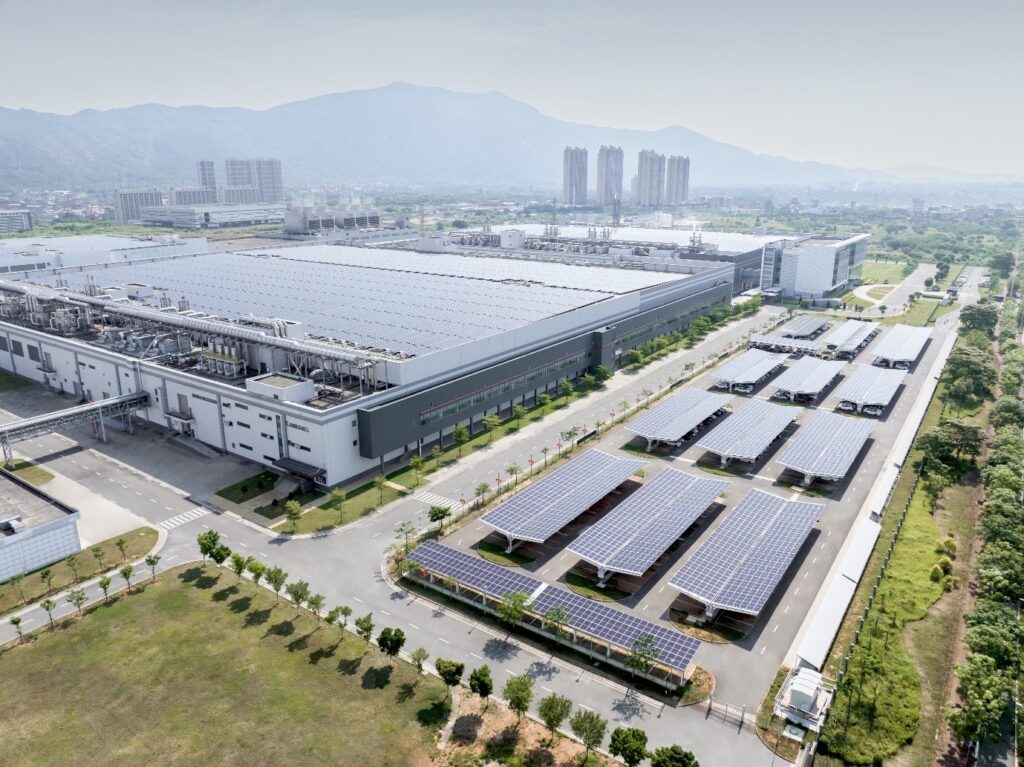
<point x="609" y="175"/>
<point x="15" y="221"/>
<point x="677" y="183"/>
<point x="650" y="179"/>
<point x="213" y="216"/>
<point x="192" y="196"/>
<point x="128" y="204"/>
<point x="262" y="175"/>
<point x="574" y="176"/>
<point x="813" y="267"/>
<point x="206" y="174"/>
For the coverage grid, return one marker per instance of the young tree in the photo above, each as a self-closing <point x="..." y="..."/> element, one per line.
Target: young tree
<point x="404" y="532"/>
<point x="629" y="744"/>
<point x="127" y="572"/>
<point x="416" y="464"/>
<point x="104" y="584"/>
<point x="553" y="711"/>
<point x="673" y="756"/>
<point x="122" y="546"/>
<point x="77" y="598"/>
<point x="257" y="570"/>
<point x="518" y="413"/>
<point x="345" y="612"/>
<point x="72" y="562"/>
<point x="566" y="388"/>
<point x="419" y="657"/>
<point x="220" y="554"/>
<point x="208" y="541"/>
<point x="298" y="592"/>
<point x="556" y="619"/>
<point x="514" y="470"/>
<point x="238" y="565"/>
<point x="16" y="581"/>
<point x="461" y="436"/>
<point x="544" y="452"/>
<point x="544" y="399"/>
<point x="602" y="373"/>
<point x="49" y="605"/>
<point x="338" y="497"/>
<point x="491" y="422"/>
<point x="643" y="654"/>
<point x="315" y="603"/>
<point x="46" y="576"/>
<point x="16" y="622"/>
<point x="589" y="727"/>
<point x="277" y="577"/>
<point x="481" y="491"/>
<point x="438" y="514"/>
<point x="364" y="627"/>
<point x="99" y="555"/>
<point x="293" y="512"/>
<point x="518" y="692"/>
<point x="450" y="672"/>
<point x="152" y="560"/>
<point x="512" y="607"/>
<point x="390" y="641"/>
<point x="332" y="616"/>
<point x="480" y="682"/>
<point x="436" y="452"/>
<point x="380" y="482"/>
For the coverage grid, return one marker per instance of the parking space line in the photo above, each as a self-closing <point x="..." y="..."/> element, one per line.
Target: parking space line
<point x="360" y="601"/>
<point x="385" y="612"/>
<point x="478" y="657"/>
<point x="414" y="626"/>
<point x="442" y="639"/>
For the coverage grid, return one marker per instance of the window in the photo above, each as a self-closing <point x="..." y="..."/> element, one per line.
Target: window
<point x="266" y="417"/>
<point x="16" y="348"/>
<point x="211" y="400"/>
<point x="355" y="442"/>
<point x="297" y="427"/>
<point x="3" y="343"/>
<point x="243" y="424"/>
<point x="33" y="353"/>
<point x="265" y="435"/>
<point x="241" y="406"/>
<point x="244" y="446"/>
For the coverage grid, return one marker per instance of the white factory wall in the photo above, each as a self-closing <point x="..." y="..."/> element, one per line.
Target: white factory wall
<point x="37" y="547"/>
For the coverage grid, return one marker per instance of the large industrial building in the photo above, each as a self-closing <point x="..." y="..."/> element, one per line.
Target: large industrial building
<point x="35" y="529"/>
<point x="214" y="215"/>
<point x="29" y="253"/>
<point x="813" y="267"/>
<point x="327" y="361"/>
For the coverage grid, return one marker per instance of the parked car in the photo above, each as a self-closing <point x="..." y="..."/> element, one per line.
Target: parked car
<point x="844" y="405"/>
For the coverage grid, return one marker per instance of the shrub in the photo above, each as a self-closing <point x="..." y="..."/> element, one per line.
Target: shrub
<point x="946" y="564"/>
<point x="936" y="573"/>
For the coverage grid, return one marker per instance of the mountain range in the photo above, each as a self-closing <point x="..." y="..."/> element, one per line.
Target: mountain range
<point x="400" y="134"/>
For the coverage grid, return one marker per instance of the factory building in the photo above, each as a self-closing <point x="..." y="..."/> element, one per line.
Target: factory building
<point x="29" y="253"/>
<point x="35" y="529"/>
<point x="213" y="216"/>
<point x="813" y="267"/>
<point x="15" y="221"/>
<point x="327" y="361"/>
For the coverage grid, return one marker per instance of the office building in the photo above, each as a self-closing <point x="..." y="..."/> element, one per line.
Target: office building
<point x="326" y="361"/>
<point x="15" y="221"/>
<point x="213" y="216"/>
<point x="574" y="176"/>
<point x="650" y="179"/>
<point x="262" y="176"/>
<point x="206" y="174"/>
<point x="128" y="205"/>
<point x="609" y="175"/>
<point x="677" y="180"/>
<point x="813" y="267"/>
<point x="267" y="179"/>
<point x="36" y="530"/>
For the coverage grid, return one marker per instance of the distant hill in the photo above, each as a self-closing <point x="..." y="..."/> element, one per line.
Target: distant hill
<point x="401" y="134"/>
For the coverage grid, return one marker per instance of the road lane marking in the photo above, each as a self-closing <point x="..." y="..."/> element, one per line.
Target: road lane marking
<point x="385" y="612"/>
<point x="360" y="601"/>
<point x="414" y="626"/>
<point x="442" y="639"/>
<point x="478" y="657"/>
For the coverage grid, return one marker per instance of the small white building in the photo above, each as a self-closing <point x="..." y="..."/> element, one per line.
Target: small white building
<point x="813" y="267"/>
<point x="804" y="698"/>
<point x="35" y="529"/>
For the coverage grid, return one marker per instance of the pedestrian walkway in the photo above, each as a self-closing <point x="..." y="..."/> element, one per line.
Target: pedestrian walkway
<point x="181" y="519"/>
<point x="435" y="500"/>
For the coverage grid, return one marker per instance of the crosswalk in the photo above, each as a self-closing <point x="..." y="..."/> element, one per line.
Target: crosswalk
<point x="434" y="499"/>
<point x="180" y="519"/>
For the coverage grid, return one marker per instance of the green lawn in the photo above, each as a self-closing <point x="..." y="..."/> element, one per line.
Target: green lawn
<point x="139" y="542"/>
<point x="360" y="502"/>
<point x="270" y="511"/>
<point x="197" y="670"/>
<point x="587" y="588"/>
<point x="852" y="300"/>
<point x="10" y="382"/>
<point x="924" y="312"/>
<point x="250" y="487"/>
<point x="497" y="554"/>
<point x="31" y="473"/>
<point x="890" y="272"/>
<point x="880" y="291"/>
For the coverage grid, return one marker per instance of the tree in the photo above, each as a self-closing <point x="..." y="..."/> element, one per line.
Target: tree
<point x="436" y="452"/>
<point x="277" y="577"/>
<point x="491" y="422"/>
<point x="338" y="497"/>
<point x="461" y="436"/>
<point x="985" y="693"/>
<point x="450" y="671"/>
<point x="566" y="388"/>
<point x="544" y="452"/>
<point x="673" y="756"/>
<point x="152" y="560"/>
<point x="293" y="512"/>
<point x="380" y="482"/>
<point x="642" y="655"/>
<point x="553" y="711"/>
<point x="127" y="572"/>
<point x="518" y="413"/>
<point x="514" y="470"/>
<point x="518" y="693"/>
<point x="557" y="618"/>
<point x="405" y="531"/>
<point x="332" y="616"/>
<point x="589" y="727"/>
<point x="544" y="399"/>
<point x="72" y="562"/>
<point x="629" y="744"/>
<point x="46" y="576"/>
<point x="419" y="658"/>
<point x="1007" y="411"/>
<point x="104" y="584"/>
<point x="16" y="581"/>
<point x="512" y="607"/>
<point x="122" y="546"/>
<point x="345" y="611"/>
<point x="602" y="373"/>
<point x="99" y="555"/>
<point x="481" y="491"/>
<point x="390" y="641"/>
<point x="438" y="514"/>
<point x="298" y="592"/>
<point x="49" y="605"/>
<point x="983" y="317"/>
<point x="480" y="682"/>
<point x="416" y="464"/>
<point x="928" y="282"/>
<point x="208" y="541"/>
<point x="16" y="622"/>
<point x="238" y="565"/>
<point x="256" y="569"/>
<point x="364" y="627"/>
<point x="315" y="603"/>
<point x="77" y="598"/>
<point x="634" y="357"/>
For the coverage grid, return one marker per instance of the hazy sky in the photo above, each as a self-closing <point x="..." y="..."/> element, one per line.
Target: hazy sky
<point x="866" y="83"/>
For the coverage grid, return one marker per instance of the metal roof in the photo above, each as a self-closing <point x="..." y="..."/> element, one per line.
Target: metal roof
<point x="802" y="325"/>
<point x="808" y="375"/>
<point x="902" y="343"/>
<point x="749" y="367"/>
<point x="747" y="433"/>
<point x="870" y="385"/>
<point x="677" y="416"/>
<point x="827" y="446"/>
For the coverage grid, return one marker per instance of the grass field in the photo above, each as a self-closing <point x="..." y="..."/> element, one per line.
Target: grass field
<point x="496" y="554"/>
<point x="360" y="502"/>
<point x="31" y="473"/>
<point x="139" y="542"/>
<point x="852" y="300"/>
<point x="197" y="670"/>
<point x="880" y="291"/>
<point x="10" y="382"/>
<point x="921" y="313"/>
<point x="890" y="272"/>
<point x="587" y="588"/>
<point x="250" y="487"/>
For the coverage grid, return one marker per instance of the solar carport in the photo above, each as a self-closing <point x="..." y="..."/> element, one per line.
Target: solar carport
<point x="847" y="340"/>
<point x="826" y="447"/>
<point x="631" y="537"/>
<point x="804" y="326"/>
<point x="748" y="433"/>
<point x="740" y="564"/>
<point x="807" y="378"/>
<point x="545" y="507"/>
<point x="671" y="421"/>
<point x="869" y="387"/>
<point x="901" y="346"/>
<point x="747" y="370"/>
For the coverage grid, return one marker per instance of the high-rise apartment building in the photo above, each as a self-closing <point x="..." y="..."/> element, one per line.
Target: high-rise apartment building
<point x="15" y="220"/>
<point x="263" y="175"/>
<point x="206" y="174"/>
<point x="128" y="205"/>
<point x="609" y="175"/>
<point x="192" y="195"/>
<point x="238" y="172"/>
<point x="574" y="176"/>
<point x="677" y="180"/>
<point x="650" y="179"/>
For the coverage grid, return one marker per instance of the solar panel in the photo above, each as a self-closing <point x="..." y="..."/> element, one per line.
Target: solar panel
<point x="631" y="537"/>
<point x="784" y="343"/>
<point x="869" y="385"/>
<point x="803" y="325"/>
<point x="808" y="375"/>
<point x="603" y="622"/>
<point x="544" y="508"/>
<point x="741" y="563"/>
<point x="750" y="367"/>
<point x="848" y="336"/>
<point x="747" y="433"/>
<point x="673" y="419"/>
<point x="902" y="343"/>
<point x="827" y="446"/>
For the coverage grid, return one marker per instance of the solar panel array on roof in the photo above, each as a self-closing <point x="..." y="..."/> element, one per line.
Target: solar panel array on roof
<point x="802" y="326"/>
<point x="808" y="375"/>
<point x="749" y="367"/>
<point x="544" y="508"/>
<point x="675" y="649"/>
<point x="741" y="563"/>
<point x="902" y="343"/>
<point x="748" y="432"/>
<point x="631" y="537"/>
<point x="678" y="416"/>
<point x="827" y="446"/>
<point x="868" y="385"/>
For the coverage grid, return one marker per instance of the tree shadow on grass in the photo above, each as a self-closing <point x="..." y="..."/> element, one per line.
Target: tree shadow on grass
<point x="540" y="757"/>
<point x="350" y="665"/>
<point x="434" y="715"/>
<point x="257" y="618"/>
<point x="224" y="594"/>
<point x="377" y="678"/>
<point x="501" y="746"/>
<point x="199" y="578"/>
<point x="320" y="653"/>
<point x="299" y="643"/>
<point x="283" y="628"/>
<point x="405" y="692"/>
<point x="467" y="727"/>
<point x="240" y="605"/>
